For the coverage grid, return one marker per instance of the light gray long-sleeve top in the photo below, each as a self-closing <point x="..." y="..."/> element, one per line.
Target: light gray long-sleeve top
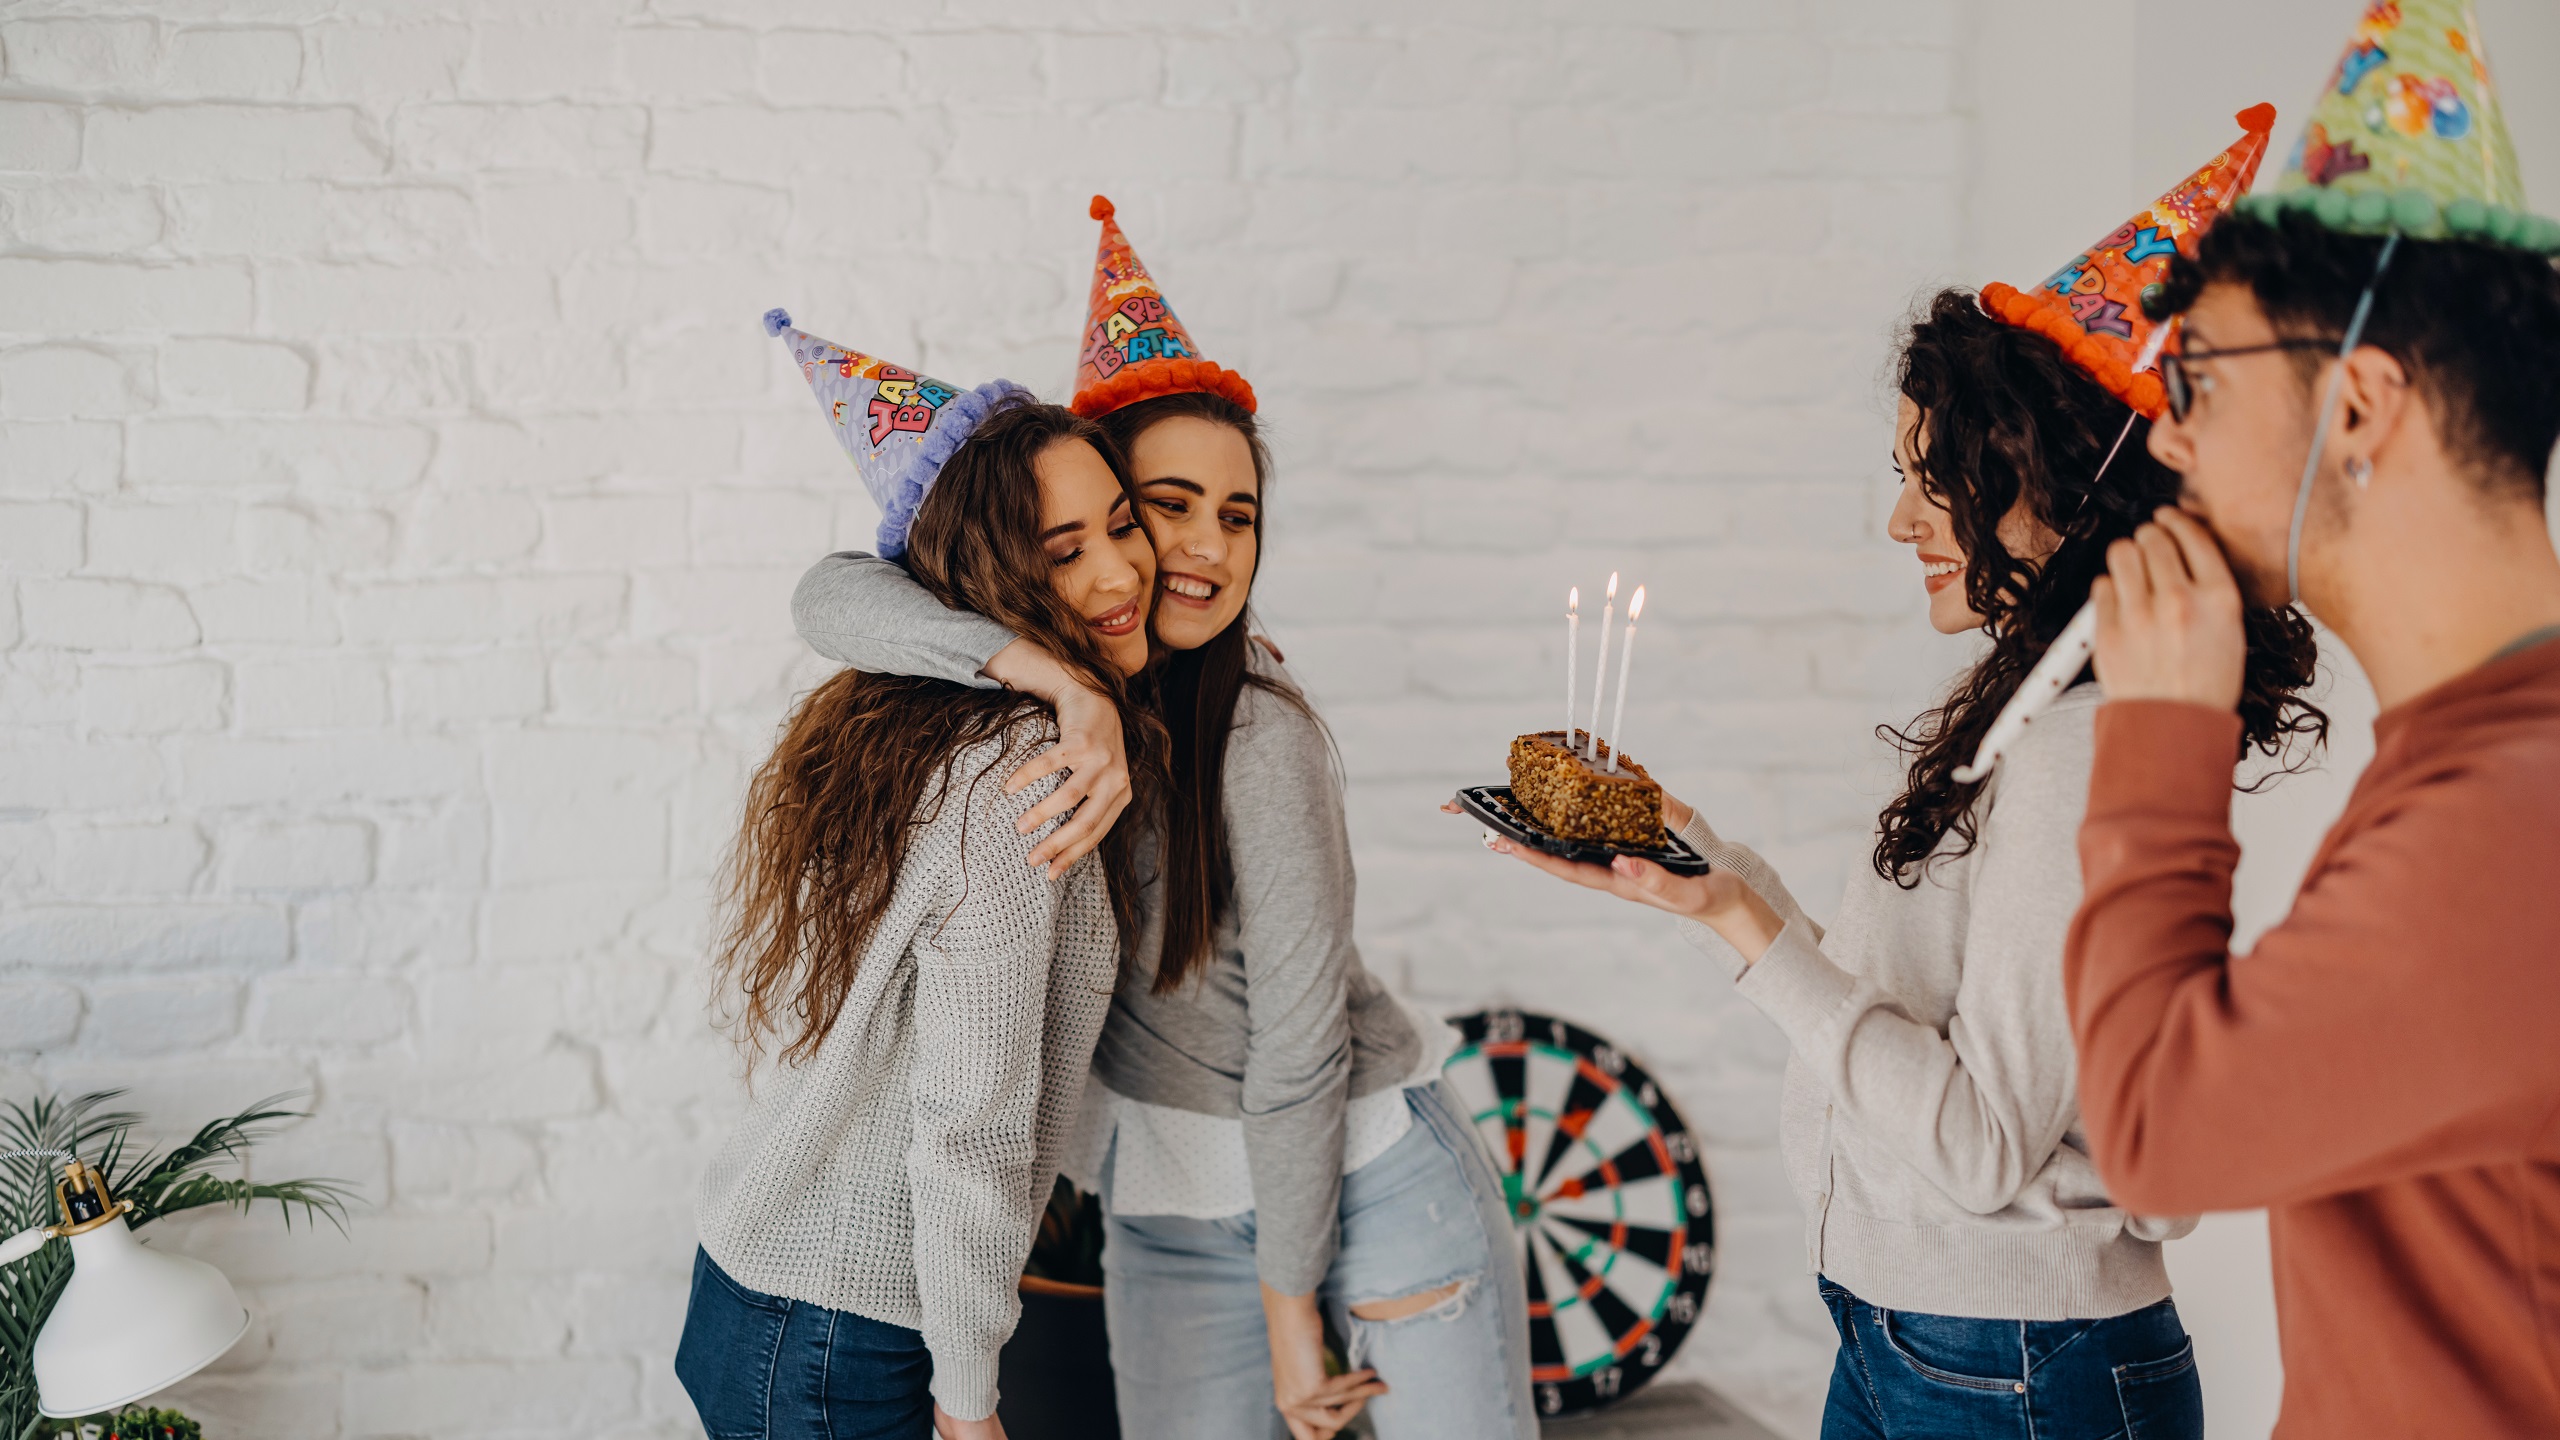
<point x="898" y="1172"/>
<point x="1931" y="1119"/>
<point x="1284" y="1026"/>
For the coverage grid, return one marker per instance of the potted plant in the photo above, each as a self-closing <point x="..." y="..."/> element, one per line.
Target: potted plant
<point x="131" y="1423"/>
<point x="32" y="1135"/>
<point x="1053" y="1381"/>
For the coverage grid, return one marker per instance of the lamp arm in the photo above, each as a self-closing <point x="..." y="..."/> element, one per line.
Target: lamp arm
<point x="23" y="1244"/>
<point x="27" y="1242"/>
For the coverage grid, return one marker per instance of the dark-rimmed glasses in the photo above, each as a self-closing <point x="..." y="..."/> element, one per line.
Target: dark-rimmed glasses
<point x="2184" y="387"/>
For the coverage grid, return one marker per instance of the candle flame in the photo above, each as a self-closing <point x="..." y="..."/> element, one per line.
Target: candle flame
<point x="1573" y="601"/>
<point x="1613" y="584"/>
<point x="1635" y="607"/>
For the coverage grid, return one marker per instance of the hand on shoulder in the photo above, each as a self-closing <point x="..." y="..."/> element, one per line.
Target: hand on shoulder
<point x="1090" y="758"/>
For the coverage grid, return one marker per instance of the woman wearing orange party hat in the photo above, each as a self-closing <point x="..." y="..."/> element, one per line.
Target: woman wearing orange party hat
<point x="1266" y="1125"/>
<point x="1980" y="1277"/>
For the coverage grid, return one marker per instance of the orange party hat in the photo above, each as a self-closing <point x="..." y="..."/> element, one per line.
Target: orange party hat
<point x="1134" y="348"/>
<point x="2094" y="307"/>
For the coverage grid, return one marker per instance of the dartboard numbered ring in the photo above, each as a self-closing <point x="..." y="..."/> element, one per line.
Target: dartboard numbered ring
<point x="1610" y="1204"/>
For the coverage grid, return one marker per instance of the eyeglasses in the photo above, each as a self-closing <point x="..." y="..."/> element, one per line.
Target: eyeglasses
<point x="2185" y="385"/>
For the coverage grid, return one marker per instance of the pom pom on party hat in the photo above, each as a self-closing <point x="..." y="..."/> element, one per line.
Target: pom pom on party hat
<point x="2408" y="136"/>
<point x="1134" y="349"/>
<point x="899" y="426"/>
<point x="2094" y="307"/>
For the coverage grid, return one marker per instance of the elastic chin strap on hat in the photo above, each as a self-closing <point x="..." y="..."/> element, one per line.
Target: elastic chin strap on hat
<point x="2328" y="413"/>
<point x="2149" y="359"/>
<point x="2117" y="448"/>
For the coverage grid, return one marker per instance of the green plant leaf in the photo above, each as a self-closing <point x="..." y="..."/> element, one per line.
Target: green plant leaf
<point x="318" y="1199"/>
<point x="146" y="1181"/>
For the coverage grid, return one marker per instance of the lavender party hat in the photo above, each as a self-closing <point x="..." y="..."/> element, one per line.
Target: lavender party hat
<point x="897" y="425"/>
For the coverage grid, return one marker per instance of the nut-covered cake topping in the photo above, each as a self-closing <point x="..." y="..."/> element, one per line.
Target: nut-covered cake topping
<point x="1580" y="800"/>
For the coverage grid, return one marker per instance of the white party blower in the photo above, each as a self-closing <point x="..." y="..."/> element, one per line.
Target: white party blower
<point x="2044" y="685"/>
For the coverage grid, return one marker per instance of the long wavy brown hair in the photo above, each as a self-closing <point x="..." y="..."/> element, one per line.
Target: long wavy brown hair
<point x="1198" y="690"/>
<point x="2011" y="422"/>
<point x="867" y="759"/>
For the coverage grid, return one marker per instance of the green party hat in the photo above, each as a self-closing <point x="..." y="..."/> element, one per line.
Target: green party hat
<point x="2407" y="136"/>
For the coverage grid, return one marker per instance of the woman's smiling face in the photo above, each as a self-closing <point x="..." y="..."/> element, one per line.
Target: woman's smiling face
<point x="1921" y="520"/>
<point x="1099" y="558"/>
<point x="1204" y="505"/>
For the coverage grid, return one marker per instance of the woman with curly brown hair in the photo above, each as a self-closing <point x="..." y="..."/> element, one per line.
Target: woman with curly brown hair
<point x="1981" y="1281"/>
<point x="934" y="996"/>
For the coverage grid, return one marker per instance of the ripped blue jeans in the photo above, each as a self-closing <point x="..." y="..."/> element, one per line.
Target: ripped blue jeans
<point x="1184" y="1303"/>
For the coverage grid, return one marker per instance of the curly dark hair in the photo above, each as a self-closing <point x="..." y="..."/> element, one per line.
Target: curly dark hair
<point x="2010" y="422"/>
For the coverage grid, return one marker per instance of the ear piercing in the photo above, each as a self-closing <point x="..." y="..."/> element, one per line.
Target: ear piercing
<point x="2360" y="470"/>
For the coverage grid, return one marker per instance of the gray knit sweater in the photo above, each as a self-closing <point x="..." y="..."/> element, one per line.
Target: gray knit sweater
<point x="1284" y="1025"/>
<point x="1931" y="1119"/>
<point x="899" y="1171"/>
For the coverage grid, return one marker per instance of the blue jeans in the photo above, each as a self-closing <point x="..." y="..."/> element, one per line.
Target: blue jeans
<point x="760" y="1367"/>
<point x="1184" y="1302"/>
<point x="1944" y="1377"/>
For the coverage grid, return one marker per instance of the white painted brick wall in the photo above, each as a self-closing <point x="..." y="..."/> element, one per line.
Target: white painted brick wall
<point x="399" y="502"/>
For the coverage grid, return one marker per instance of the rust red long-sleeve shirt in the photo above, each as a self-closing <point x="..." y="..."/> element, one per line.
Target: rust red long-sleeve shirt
<point x="2381" y="1071"/>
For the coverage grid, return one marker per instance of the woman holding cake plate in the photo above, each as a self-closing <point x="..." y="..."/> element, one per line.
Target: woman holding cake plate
<point x="1266" y="1125"/>
<point x="1980" y="1279"/>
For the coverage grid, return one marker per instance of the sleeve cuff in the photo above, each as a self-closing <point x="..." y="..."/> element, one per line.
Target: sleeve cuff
<point x="2163" y="756"/>
<point x="965" y="1385"/>
<point x="1795" y="984"/>
<point x="1299" y="1270"/>
<point x="1296" y="1222"/>
<point x="978" y="676"/>
<point x="1712" y="945"/>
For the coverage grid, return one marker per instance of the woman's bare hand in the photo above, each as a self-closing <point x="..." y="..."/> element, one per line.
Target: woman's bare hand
<point x="1321" y="1413"/>
<point x="1314" y="1406"/>
<point x="1718" y="899"/>
<point x="1094" y="756"/>
<point x="1091" y="752"/>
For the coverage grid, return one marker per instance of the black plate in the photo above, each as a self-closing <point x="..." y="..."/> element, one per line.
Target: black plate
<point x="1493" y="805"/>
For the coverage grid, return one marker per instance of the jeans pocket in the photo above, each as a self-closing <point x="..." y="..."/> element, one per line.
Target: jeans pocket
<point x="2162" y="1398"/>
<point x="707" y="1268"/>
<point x="1951" y="1349"/>
<point x="1409" y="1221"/>
<point x="725" y="1360"/>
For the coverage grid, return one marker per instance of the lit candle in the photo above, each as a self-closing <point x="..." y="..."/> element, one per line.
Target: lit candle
<point x="1600" y="676"/>
<point x="1626" y="662"/>
<point x="1572" y="648"/>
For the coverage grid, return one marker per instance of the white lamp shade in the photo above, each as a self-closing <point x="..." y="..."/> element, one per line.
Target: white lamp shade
<point x="131" y="1321"/>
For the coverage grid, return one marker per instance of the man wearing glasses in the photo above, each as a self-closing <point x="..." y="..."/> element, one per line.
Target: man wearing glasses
<point x="2364" y="408"/>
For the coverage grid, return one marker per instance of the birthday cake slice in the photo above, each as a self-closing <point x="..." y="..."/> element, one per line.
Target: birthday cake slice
<point x="1582" y="800"/>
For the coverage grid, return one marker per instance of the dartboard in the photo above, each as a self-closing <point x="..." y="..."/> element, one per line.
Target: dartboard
<point x="1617" y="1233"/>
